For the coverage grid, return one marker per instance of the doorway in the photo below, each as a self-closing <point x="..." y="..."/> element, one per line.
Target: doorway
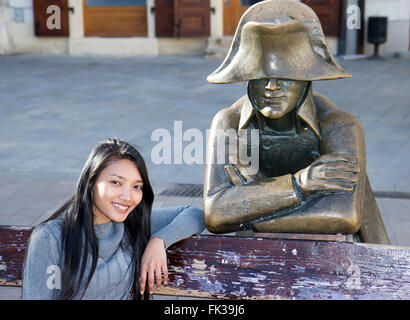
<point x="232" y="13"/>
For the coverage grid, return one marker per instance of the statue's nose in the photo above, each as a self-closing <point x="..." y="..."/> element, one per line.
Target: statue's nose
<point x="272" y="85"/>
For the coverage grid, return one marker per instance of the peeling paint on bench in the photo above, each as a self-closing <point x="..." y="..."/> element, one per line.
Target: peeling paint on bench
<point x="246" y="268"/>
<point x="260" y="267"/>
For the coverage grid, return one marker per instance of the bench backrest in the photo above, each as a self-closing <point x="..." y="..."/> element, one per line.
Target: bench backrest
<point x="260" y="267"/>
<point x="13" y="242"/>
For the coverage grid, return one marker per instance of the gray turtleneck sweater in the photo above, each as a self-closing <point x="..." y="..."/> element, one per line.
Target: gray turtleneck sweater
<point x="113" y="276"/>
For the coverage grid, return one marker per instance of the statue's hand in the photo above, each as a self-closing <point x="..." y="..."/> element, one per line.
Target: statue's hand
<point x="239" y="173"/>
<point x="330" y="172"/>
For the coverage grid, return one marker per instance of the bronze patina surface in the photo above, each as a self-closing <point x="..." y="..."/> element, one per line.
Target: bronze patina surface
<point x="311" y="171"/>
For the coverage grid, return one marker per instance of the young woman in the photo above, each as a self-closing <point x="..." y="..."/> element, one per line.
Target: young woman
<point x="105" y="243"/>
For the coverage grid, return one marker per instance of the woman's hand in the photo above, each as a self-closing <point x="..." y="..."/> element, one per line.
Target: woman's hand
<point x="153" y="262"/>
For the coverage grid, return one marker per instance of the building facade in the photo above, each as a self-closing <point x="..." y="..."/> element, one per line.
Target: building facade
<point x="159" y="27"/>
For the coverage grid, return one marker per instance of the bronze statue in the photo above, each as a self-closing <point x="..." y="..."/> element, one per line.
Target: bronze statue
<point x="311" y="175"/>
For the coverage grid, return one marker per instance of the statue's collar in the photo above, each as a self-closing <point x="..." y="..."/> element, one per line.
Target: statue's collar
<point x="306" y="112"/>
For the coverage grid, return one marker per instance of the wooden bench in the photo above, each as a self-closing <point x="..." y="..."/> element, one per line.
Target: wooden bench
<point x="265" y="266"/>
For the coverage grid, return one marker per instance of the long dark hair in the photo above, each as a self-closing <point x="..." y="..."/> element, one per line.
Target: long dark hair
<point x="78" y="235"/>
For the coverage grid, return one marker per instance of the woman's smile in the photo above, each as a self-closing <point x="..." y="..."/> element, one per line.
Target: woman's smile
<point x="120" y="207"/>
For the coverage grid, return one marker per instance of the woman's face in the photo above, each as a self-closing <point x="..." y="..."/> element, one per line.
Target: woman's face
<point x="275" y="97"/>
<point x="117" y="191"/>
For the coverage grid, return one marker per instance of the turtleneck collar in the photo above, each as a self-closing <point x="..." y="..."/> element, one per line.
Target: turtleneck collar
<point x="109" y="237"/>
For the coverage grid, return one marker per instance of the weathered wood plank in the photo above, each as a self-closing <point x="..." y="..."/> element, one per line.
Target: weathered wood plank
<point x="261" y="268"/>
<point x="306" y="236"/>
<point x="13" y="241"/>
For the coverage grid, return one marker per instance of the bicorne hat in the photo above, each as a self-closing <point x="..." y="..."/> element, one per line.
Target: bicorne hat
<point x="278" y="39"/>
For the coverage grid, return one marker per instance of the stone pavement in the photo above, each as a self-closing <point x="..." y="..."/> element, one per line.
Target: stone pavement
<point x="54" y="109"/>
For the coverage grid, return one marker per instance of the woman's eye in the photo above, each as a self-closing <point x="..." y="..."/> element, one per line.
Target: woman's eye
<point x="115" y="182"/>
<point x="138" y="187"/>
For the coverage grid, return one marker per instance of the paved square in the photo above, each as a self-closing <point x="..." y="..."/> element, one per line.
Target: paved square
<point x="54" y="109"/>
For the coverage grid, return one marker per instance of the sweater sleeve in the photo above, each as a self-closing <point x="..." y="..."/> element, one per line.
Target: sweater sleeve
<point x="41" y="271"/>
<point x="177" y="223"/>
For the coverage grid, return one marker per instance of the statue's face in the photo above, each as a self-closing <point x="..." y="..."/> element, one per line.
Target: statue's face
<point x="276" y="97"/>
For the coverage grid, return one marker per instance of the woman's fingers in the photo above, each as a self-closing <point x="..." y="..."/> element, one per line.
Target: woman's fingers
<point x="154" y="275"/>
<point x="151" y="280"/>
<point x="165" y="271"/>
<point x="153" y="264"/>
<point x="143" y="279"/>
<point x="158" y="276"/>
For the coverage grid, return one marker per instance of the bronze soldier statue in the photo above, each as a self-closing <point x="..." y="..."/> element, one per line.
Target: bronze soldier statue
<point x="311" y="174"/>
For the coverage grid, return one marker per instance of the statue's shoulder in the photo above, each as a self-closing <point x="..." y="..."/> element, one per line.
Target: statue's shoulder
<point x="229" y="117"/>
<point x="328" y="111"/>
<point x="324" y="104"/>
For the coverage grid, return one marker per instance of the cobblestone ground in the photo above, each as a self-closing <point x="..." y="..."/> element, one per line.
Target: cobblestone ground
<point x="54" y="109"/>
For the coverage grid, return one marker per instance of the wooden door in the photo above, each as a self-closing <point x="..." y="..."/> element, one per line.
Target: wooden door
<point x="51" y="18"/>
<point x="232" y="13"/>
<point x="164" y="18"/>
<point x="192" y="18"/>
<point x="182" y="18"/>
<point x="328" y="12"/>
<point x="230" y="9"/>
